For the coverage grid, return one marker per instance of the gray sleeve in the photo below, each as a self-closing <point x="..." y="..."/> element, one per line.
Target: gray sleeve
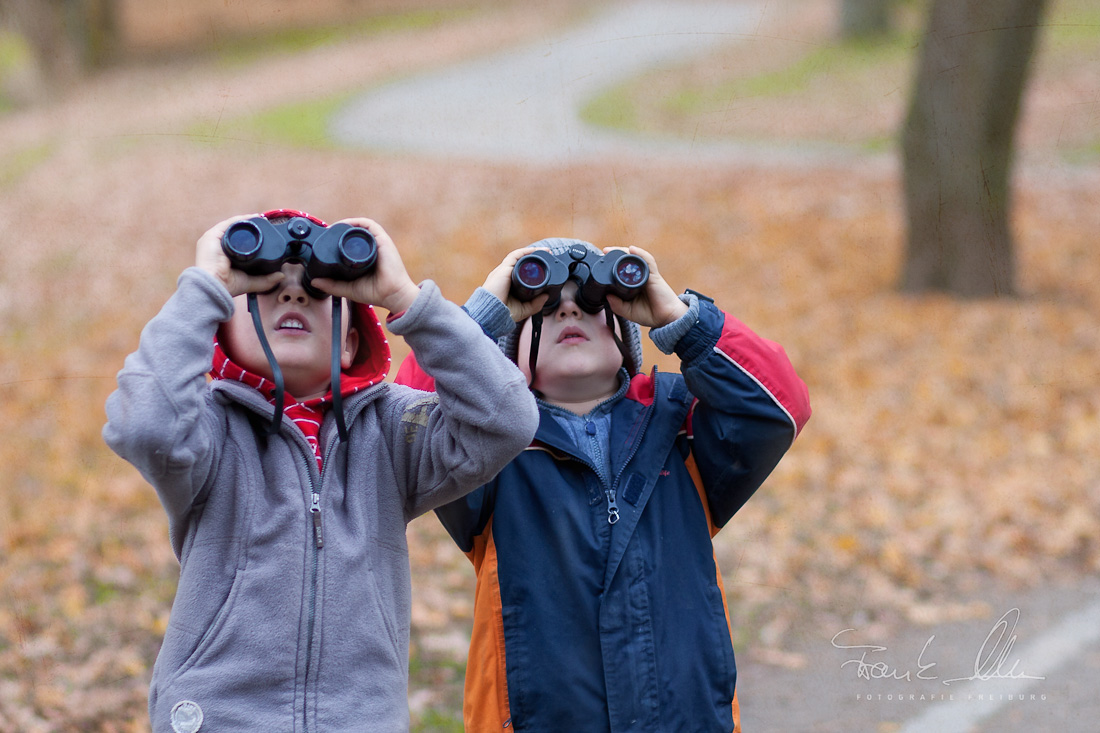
<point x="666" y="337"/>
<point x="482" y="417"/>
<point x="491" y="314"/>
<point x="156" y="417"/>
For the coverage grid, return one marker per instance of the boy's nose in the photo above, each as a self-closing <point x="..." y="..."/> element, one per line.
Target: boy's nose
<point x="293" y="289"/>
<point x="567" y="306"/>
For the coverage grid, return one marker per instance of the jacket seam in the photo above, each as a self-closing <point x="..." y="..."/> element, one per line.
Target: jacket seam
<point x="771" y="395"/>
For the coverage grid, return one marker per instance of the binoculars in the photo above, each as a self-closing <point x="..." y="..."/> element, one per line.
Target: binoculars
<point x="617" y="272"/>
<point x="341" y="251"/>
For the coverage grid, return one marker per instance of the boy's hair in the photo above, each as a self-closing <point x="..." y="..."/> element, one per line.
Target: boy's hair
<point x="630" y="332"/>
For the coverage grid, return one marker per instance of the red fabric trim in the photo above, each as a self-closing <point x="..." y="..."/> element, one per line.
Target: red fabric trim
<point x="290" y="214"/>
<point x="767" y="363"/>
<point x="411" y="375"/>
<point x="642" y="387"/>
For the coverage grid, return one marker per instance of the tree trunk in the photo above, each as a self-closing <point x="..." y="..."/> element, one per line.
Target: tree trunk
<point x="864" y="18"/>
<point x="67" y="37"/>
<point x="99" y="31"/>
<point x="957" y="145"/>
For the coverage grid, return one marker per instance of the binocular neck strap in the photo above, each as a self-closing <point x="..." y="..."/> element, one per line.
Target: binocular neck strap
<point x="276" y="372"/>
<point x="618" y="341"/>
<point x="536" y="336"/>
<point x="337" y="345"/>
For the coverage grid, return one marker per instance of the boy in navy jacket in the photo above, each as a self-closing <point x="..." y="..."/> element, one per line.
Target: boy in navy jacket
<point x="599" y="605"/>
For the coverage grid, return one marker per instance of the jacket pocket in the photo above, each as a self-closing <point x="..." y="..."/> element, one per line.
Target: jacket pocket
<point x="725" y="676"/>
<point x="209" y="636"/>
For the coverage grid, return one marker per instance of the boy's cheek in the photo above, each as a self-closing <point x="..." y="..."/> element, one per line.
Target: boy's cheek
<point x="238" y="339"/>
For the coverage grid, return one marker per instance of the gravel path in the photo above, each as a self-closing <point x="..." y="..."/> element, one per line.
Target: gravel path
<point x="522" y="105"/>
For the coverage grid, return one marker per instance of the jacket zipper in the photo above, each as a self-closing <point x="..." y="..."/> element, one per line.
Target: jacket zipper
<point x="612" y="507"/>
<point x="612" y="504"/>
<point x="315" y="510"/>
<point x="609" y="491"/>
<point x="318" y="544"/>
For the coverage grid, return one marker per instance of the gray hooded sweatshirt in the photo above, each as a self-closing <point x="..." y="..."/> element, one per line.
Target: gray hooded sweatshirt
<point x="272" y="629"/>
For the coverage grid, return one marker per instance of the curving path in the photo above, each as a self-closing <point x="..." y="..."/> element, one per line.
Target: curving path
<point x="522" y="105"/>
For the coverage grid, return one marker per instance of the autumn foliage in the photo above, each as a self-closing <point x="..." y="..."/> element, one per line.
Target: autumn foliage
<point x="953" y="444"/>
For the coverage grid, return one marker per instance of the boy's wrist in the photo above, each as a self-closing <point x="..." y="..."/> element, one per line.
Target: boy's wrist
<point x="676" y="310"/>
<point x="491" y="313"/>
<point x="401" y="299"/>
<point x="666" y="337"/>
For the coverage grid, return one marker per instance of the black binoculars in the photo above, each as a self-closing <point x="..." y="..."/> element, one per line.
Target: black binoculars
<point x="617" y="272"/>
<point x="341" y="251"/>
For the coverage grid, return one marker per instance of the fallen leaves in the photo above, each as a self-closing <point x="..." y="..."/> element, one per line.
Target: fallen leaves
<point x="952" y="443"/>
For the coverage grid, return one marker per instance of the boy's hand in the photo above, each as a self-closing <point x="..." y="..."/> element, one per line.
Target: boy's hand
<point x="657" y="305"/>
<point x="499" y="283"/>
<point x="388" y="285"/>
<point x="210" y="257"/>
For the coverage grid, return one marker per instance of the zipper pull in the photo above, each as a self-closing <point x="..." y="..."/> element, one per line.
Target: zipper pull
<point x="612" y="507"/>
<point x="315" y="510"/>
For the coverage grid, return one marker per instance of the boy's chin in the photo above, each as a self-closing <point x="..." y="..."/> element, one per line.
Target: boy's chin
<point x="308" y="388"/>
<point x="576" y="387"/>
<point x="300" y="380"/>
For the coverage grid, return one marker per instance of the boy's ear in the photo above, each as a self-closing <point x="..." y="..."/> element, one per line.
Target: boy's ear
<point x="351" y="348"/>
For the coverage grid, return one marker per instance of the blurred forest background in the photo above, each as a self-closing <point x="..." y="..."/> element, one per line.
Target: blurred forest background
<point x="953" y="442"/>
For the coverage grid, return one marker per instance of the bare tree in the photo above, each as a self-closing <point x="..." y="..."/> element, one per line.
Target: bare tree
<point x="66" y="37"/>
<point x="958" y="143"/>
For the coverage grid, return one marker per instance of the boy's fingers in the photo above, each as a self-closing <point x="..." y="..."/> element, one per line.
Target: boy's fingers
<point x="219" y="229"/>
<point x="360" y="221"/>
<point x="254" y="284"/>
<point x="525" y="309"/>
<point x="330" y="286"/>
<point x="271" y="280"/>
<point x="620" y="307"/>
<point x="342" y="289"/>
<point x="514" y="256"/>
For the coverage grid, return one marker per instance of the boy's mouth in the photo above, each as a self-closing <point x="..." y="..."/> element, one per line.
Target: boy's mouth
<point x="572" y="334"/>
<point x="292" y="322"/>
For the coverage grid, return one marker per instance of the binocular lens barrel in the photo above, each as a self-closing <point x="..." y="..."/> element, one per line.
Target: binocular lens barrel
<point x="242" y="240"/>
<point x="631" y="271"/>
<point x="531" y="273"/>
<point x="358" y="249"/>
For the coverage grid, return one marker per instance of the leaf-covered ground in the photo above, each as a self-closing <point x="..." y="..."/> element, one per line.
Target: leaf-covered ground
<point x="952" y="445"/>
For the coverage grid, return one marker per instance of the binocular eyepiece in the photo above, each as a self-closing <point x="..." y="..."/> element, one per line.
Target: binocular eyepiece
<point x="341" y="251"/>
<point x="617" y="272"/>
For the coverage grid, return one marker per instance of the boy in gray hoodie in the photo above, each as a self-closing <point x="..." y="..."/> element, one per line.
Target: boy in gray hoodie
<point x="292" y="610"/>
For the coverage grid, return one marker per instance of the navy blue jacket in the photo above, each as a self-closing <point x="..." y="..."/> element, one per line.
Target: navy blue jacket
<point x="584" y="625"/>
